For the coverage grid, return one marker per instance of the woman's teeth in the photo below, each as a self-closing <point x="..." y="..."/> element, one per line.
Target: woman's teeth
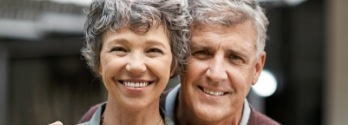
<point x="136" y="84"/>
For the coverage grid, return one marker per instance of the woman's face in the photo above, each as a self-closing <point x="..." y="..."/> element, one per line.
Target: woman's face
<point x="135" y="67"/>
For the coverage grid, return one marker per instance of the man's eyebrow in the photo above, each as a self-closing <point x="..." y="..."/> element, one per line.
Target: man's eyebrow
<point x="238" y="47"/>
<point x="236" y="52"/>
<point x="240" y="52"/>
<point x="200" y="46"/>
<point x="201" y="43"/>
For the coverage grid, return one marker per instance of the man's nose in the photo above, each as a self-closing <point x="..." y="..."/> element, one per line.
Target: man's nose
<point x="136" y="64"/>
<point x="216" y="70"/>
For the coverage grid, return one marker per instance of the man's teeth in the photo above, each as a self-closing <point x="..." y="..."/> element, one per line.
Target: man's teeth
<point x="214" y="93"/>
<point x="136" y="84"/>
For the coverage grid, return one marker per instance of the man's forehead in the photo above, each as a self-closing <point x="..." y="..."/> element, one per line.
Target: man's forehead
<point x="241" y="36"/>
<point x="208" y="26"/>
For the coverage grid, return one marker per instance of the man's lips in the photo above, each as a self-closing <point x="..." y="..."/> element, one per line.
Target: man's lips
<point x="212" y="92"/>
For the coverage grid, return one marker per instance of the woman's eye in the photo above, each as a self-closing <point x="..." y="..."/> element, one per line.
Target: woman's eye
<point x="155" y="51"/>
<point x="118" y="49"/>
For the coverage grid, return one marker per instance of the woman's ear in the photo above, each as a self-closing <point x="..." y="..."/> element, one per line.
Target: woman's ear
<point x="173" y="70"/>
<point x="99" y="70"/>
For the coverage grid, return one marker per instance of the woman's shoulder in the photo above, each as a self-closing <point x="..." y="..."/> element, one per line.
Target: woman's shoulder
<point x="96" y="116"/>
<point x="85" y="123"/>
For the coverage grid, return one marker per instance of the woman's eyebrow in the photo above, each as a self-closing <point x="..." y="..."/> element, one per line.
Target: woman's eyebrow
<point x="155" y="42"/>
<point x="117" y="40"/>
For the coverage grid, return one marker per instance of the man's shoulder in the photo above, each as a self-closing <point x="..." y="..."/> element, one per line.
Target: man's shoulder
<point x="257" y="118"/>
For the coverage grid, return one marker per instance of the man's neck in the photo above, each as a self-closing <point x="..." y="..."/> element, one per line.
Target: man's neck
<point x="185" y="116"/>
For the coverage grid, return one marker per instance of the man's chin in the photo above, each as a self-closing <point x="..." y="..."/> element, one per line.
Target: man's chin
<point x="210" y="113"/>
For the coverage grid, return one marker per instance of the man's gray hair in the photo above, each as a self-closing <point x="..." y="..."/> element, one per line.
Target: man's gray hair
<point x="138" y="16"/>
<point x="231" y="12"/>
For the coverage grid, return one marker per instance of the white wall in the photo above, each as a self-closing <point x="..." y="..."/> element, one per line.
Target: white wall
<point x="336" y="110"/>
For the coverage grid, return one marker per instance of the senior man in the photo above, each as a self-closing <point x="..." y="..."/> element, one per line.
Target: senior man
<point x="227" y="57"/>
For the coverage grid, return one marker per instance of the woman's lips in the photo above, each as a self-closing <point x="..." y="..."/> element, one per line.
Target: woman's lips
<point x="132" y="84"/>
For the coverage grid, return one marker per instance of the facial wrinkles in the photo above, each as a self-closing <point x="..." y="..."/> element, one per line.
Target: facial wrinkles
<point x="106" y="78"/>
<point x="105" y="58"/>
<point x="241" y="32"/>
<point x="234" y="71"/>
<point x="218" y="62"/>
<point x="227" y="41"/>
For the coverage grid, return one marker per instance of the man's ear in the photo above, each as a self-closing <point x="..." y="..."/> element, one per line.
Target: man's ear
<point x="261" y="59"/>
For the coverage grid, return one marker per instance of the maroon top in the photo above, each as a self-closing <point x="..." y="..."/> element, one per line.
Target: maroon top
<point x="88" y="115"/>
<point x="256" y="118"/>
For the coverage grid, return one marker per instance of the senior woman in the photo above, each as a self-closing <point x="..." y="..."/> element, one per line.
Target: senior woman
<point x="135" y="46"/>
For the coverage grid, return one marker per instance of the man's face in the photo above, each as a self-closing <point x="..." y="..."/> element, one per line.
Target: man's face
<point x="222" y="68"/>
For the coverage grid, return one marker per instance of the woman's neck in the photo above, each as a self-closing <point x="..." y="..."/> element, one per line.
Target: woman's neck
<point x="116" y="114"/>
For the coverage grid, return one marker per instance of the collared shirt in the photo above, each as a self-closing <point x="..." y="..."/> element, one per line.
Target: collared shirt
<point x="95" y="120"/>
<point x="170" y="106"/>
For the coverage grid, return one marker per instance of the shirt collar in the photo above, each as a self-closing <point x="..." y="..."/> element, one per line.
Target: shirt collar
<point x="170" y="102"/>
<point x="246" y="113"/>
<point x="95" y="120"/>
<point x="170" y="105"/>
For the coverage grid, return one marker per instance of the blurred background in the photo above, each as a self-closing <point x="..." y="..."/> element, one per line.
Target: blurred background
<point x="43" y="77"/>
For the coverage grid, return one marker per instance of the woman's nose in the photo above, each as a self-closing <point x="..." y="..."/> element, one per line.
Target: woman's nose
<point x="136" y="64"/>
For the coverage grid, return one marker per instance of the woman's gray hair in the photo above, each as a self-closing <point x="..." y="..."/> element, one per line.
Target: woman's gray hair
<point x="231" y="12"/>
<point x="138" y="16"/>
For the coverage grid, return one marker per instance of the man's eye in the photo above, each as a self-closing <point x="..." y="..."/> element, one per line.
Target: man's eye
<point x="201" y="54"/>
<point x="236" y="59"/>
